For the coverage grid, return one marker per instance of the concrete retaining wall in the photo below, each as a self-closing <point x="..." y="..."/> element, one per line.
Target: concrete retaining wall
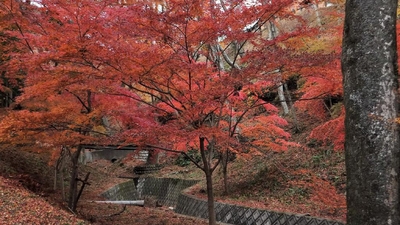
<point x="169" y="192"/>
<point x="166" y="190"/>
<point x="123" y="191"/>
<point x="240" y="215"/>
<point x="90" y="155"/>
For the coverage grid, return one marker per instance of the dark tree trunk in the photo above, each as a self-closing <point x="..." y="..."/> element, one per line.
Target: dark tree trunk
<point x="152" y="158"/>
<point x="84" y="183"/>
<point x="225" y="161"/>
<point x="208" y="170"/>
<point x="73" y="185"/>
<point x="369" y="66"/>
<point x="210" y="198"/>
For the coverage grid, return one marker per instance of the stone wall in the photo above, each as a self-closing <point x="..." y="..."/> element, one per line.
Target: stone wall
<point x="169" y="192"/>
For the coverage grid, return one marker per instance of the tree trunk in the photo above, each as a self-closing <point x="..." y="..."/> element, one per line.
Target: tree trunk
<point x="291" y="108"/>
<point x="282" y="99"/>
<point x="73" y="185"/>
<point x="225" y="161"/>
<point x="216" y="56"/>
<point x="152" y="158"/>
<point x="210" y="191"/>
<point x="55" y="179"/>
<point x="272" y="31"/>
<point x="369" y="66"/>
<point x="84" y="183"/>
<point x="225" y="154"/>
<point x="62" y="181"/>
<point x="317" y="14"/>
<point x="210" y="198"/>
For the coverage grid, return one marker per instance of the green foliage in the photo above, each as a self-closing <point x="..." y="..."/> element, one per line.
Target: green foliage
<point x="183" y="160"/>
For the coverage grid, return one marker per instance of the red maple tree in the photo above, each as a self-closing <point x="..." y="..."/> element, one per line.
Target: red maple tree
<point x="172" y="75"/>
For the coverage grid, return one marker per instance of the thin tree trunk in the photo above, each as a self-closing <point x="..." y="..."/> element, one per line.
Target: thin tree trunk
<point x="225" y="154"/>
<point x="210" y="191"/>
<point x="84" y="183"/>
<point x="282" y="99"/>
<point x="73" y="186"/>
<point x="216" y="56"/>
<point x="271" y="36"/>
<point x="62" y="181"/>
<point x="225" y="161"/>
<point x="292" y="110"/>
<point x="272" y="31"/>
<point x="210" y="197"/>
<point x="55" y="179"/>
<point x="317" y="14"/>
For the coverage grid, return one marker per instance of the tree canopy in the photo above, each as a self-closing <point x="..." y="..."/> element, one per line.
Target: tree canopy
<point x="174" y="74"/>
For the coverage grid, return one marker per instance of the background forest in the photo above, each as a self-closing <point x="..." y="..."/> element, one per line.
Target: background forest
<point x="250" y="91"/>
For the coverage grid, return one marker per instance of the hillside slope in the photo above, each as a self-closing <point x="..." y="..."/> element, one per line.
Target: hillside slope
<point x="21" y="206"/>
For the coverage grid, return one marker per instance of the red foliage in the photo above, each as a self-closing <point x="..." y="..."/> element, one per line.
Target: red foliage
<point x="321" y="79"/>
<point x="102" y="72"/>
<point x="321" y="192"/>
<point x="320" y="82"/>
<point x="330" y="132"/>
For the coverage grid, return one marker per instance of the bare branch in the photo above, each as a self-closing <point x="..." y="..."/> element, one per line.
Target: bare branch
<point x="178" y="152"/>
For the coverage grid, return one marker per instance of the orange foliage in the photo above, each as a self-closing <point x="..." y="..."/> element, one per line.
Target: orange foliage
<point x="98" y="72"/>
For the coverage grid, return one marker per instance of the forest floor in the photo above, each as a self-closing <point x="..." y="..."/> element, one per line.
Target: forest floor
<point x="27" y="196"/>
<point x="305" y="180"/>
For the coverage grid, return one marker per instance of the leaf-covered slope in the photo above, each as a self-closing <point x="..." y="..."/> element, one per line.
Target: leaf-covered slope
<point x="20" y="206"/>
